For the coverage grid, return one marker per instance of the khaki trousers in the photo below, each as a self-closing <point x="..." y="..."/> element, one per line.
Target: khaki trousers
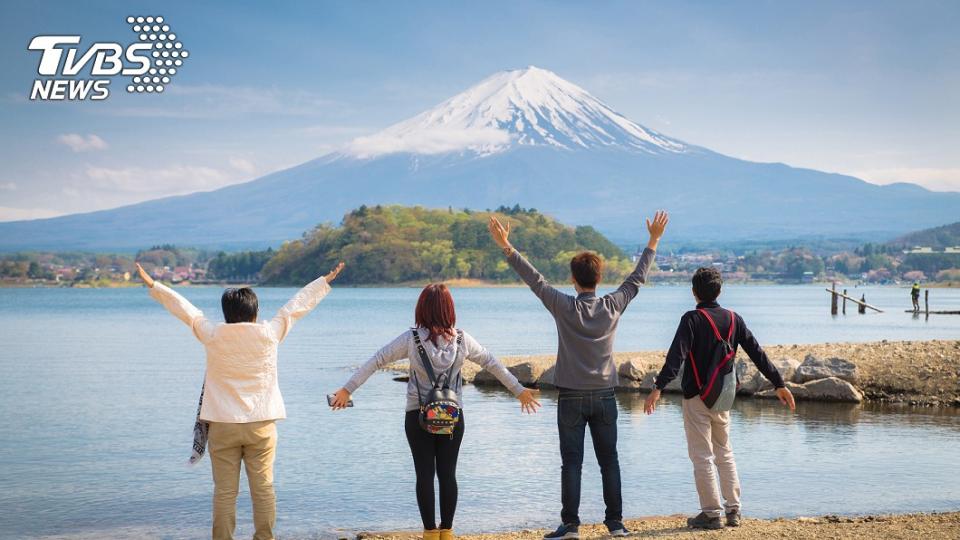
<point x="255" y="444"/>
<point x="708" y="444"/>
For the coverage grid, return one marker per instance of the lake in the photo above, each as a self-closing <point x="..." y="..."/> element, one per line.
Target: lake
<point x="100" y="388"/>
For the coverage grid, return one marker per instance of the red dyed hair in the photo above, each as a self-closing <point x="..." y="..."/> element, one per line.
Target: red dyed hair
<point x="435" y="311"/>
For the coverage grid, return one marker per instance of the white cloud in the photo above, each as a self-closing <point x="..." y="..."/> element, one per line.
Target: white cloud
<point x="432" y="141"/>
<point x="174" y="180"/>
<point x="79" y="143"/>
<point x="16" y="214"/>
<point x="8" y="186"/>
<point x="947" y="179"/>
<point x="243" y="165"/>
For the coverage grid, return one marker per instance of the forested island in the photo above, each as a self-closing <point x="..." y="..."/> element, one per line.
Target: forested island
<point x="396" y="244"/>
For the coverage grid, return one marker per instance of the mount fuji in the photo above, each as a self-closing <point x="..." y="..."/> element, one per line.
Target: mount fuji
<point x="523" y="137"/>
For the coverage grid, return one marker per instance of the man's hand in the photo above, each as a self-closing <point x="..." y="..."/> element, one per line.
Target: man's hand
<point x="786" y="398"/>
<point x="650" y="404"/>
<point x="656" y="228"/>
<point x="528" y="401"/>
<point x="500" y="233"/>
<point x="340" y="399"/>
<point x="145" y="276"/>
<point x="334" y="273"/>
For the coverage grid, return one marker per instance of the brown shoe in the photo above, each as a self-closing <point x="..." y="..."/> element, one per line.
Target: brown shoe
<point x="432" y="534"/>
<point x="733" y="518"/>
<point x="446" y="534"/>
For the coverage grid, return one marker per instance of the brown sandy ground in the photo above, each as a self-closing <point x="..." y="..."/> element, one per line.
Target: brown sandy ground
<point x="905" y="526"/>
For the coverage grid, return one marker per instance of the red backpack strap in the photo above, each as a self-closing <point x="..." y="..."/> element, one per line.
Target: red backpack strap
<point x="733" y="322"/>
<point x="713" y="325"/>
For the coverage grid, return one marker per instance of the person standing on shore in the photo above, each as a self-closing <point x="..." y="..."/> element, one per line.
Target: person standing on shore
<point x="585" y="372"/>
<point x="915" y="296"/>
<point x="241" y="396"/>
<point x="436" y="350"/>
<point x="695" y="346"/>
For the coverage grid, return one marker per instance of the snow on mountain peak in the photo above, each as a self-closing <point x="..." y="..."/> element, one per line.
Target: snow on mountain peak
<point x="530" y="106"/>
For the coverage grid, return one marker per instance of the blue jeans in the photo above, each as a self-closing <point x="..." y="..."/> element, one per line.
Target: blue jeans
<point x="576" y="410"/>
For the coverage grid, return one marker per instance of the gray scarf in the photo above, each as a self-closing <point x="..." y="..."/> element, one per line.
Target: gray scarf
<point x="200" y="430"/>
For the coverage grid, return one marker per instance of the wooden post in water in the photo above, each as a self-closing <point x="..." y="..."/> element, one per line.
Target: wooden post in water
<point x="862" y="308"/>
<point x="833" y="299"/>
<point x="926" y="301"/>
<point x="844" y="301"/>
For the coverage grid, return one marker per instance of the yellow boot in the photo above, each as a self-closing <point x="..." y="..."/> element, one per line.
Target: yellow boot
<point x="432" y="534"/>
<point x="446" y="534"/>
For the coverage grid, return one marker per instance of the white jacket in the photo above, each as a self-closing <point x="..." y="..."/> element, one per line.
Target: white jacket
<point x="241" y="382"/>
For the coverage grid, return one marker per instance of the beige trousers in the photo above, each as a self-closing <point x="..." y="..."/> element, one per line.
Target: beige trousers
<point x="255" y="444"/>
<point x="708" y="444"/>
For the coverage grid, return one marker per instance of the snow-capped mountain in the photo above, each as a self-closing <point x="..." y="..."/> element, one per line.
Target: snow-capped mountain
<point x="530" y="106"/>
<point x="523" y="137"/>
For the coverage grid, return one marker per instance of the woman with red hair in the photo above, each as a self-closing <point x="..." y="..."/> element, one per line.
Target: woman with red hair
<point x="436" y="339"/>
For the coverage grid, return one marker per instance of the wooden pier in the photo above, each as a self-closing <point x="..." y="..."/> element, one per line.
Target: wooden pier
<point x="862" y="304"/>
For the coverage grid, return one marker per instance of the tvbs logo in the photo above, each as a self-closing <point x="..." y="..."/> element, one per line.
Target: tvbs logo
<point x="150" y="62"/>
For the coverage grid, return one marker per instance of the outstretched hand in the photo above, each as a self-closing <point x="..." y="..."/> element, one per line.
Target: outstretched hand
<point x="145" y="276"/>
<point x="332" y="275"/>
<point x="786" y="398"/>
<point x="650" y="404"/>
<point x="340" y="399"/>
<point x="528" y="401"/>
<point x="500" y="232"/>
<point x="656" y="228"/>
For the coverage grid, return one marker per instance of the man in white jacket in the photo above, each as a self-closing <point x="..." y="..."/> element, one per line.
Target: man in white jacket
<point x="241" y="398"/>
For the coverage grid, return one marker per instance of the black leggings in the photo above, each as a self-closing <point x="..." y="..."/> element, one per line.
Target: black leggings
<point x="434" y="454"/>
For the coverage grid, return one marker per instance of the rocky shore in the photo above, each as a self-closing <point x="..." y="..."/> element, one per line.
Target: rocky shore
<point x="910" y="372"/>
<point x="933" y="526"/>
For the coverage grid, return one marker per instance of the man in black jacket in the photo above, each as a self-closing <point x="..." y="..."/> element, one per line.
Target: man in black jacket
<point x="708" y="431"/>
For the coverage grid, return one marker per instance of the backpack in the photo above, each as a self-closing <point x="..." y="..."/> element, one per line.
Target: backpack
<point x="440" y="410"/>
<point x="718" y="385"/>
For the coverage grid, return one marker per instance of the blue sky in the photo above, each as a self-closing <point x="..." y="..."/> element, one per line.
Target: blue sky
<point x="866" y="88"/>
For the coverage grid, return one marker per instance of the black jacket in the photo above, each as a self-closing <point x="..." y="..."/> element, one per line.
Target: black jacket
<point x="695" y="334"/>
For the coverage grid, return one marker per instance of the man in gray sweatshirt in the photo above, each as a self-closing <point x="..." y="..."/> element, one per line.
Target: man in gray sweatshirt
<point x="585" y="372"/>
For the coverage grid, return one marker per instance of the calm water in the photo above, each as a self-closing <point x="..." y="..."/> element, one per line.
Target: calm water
<point x="99" y="387"/>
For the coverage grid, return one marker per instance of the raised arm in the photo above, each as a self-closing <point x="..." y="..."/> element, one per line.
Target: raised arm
<point x="479" y="355"/>
<point x="302" y="303"/>
<point x="178" y="306"/>
<point x="547" y="294"/>
<point x="631" y="286"/>
<point x="397" y="349"/>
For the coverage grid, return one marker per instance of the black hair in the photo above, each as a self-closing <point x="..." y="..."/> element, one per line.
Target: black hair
<point x="239" y="305"/>
<point x="587" y="269"/>
<point x="707" y="283"/>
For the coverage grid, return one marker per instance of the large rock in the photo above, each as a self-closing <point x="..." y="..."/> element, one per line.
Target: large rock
<point x="639" y="374"/>
<point x="814" y="368"/>
<point x="752" y="381"/>
<point x="527" y="372"/>
<point x="829" y="389"/>
<point x="546" y="380"/>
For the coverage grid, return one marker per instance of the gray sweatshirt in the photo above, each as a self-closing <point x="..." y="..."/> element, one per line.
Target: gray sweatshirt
<point x="586" y="324"/>
<point x="442" y="356"/>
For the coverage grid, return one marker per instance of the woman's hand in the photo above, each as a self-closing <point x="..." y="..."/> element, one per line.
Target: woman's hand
<point x="334" y="273"/>
<point x="528" y="401"/>
<point x="145" y="276"/>
<point x="340" y="399"/>
<point x="650" y="404"/>
<point x="500" y="233"/>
